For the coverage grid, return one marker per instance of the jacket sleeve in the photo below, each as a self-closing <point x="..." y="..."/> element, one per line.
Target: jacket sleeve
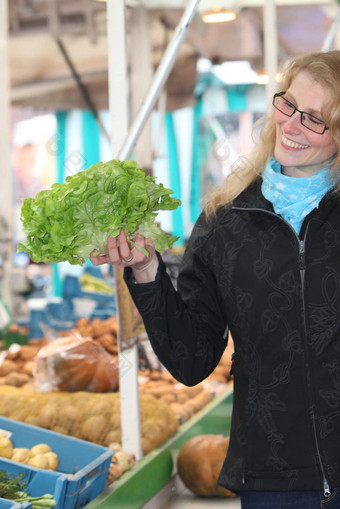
<point x="186" y="326"/>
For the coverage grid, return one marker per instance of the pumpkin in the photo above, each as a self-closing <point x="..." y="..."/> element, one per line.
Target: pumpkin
<point x="199" y="464"/>
<point x="74" y="363"/>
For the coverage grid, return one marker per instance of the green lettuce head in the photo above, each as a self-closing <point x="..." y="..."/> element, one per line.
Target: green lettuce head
<point x="73" y="219"/>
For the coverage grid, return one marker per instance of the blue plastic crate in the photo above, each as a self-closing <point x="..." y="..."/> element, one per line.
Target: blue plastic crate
<point x="72" y="288"/>
<point x="10" y="504"/>
<point x="83" y="466"/>
<point x="56" y="315"/>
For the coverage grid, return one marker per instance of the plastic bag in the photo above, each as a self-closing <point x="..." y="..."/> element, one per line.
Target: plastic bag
<point x="75" y="363"/>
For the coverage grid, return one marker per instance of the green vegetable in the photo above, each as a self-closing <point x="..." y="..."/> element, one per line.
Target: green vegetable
<point x="14" y="488"/>
<point x="10" y="485"/>
<point x="70" y="220"/>
<point x="95" y="284"/>
<point x="43" y="502"/>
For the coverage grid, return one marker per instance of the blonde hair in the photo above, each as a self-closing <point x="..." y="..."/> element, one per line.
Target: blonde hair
<point x="324" y="69"/>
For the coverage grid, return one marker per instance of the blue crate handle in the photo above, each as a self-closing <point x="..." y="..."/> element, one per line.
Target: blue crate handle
<point x="10" y="504"/>
<point x="93" y="479"/>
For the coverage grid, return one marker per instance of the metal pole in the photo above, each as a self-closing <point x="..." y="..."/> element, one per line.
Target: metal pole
<point x="6" y="208"/>
<point x="270" y="46"/>
<point x="128" y="359"/>
<point x="141" y="71"/>
<point x="159" y="80"/>
<point x="332" y="32"/>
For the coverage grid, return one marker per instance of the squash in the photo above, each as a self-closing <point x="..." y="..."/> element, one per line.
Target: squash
<point x="199" y="464"/>
<point x="74" y="363"/>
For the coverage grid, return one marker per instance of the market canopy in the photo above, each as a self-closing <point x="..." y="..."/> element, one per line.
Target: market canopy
<point x="57" y="46"/>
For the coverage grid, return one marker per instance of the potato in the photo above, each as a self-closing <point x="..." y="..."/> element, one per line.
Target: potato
<point x="115" y="446"/>
<point x="40" y="449"/>
<point x="21" y="455"/>
<point x="28" y="368"/>
<point x="123" y="459"/>
<point x="39" y="461"/>
<point x="53" y="460"/>
<point x="7" y="367"/>
<point x="6" y="447"/>
<point x="16" y="379"/>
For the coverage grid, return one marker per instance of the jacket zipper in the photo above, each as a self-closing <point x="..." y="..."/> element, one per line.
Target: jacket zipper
<point x="302" y="267"/>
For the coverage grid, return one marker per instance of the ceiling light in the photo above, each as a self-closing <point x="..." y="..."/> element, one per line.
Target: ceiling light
<point x="218" y="16"/>
<point x="263" y="78"/>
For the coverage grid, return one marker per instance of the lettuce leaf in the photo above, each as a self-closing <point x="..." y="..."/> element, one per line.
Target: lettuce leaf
<point x="70" y="220"/>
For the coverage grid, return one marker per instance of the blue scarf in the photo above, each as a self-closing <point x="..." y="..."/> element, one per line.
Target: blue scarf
<point x="294" y="198"/>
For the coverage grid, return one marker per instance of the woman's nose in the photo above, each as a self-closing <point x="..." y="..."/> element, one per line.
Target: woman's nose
<point x="293" y="123"/>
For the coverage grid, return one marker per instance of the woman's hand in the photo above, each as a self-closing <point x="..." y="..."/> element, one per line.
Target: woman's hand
<point x="120" y="254"/>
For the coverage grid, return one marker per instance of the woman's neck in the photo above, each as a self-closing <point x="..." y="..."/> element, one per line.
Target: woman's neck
<point x="306" y="170"/>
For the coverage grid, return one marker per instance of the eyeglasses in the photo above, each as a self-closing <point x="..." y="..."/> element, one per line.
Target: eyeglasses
<point x="307" y="120"/>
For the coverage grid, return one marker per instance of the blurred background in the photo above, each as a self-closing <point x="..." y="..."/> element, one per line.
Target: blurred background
<point x="61" y="101"/>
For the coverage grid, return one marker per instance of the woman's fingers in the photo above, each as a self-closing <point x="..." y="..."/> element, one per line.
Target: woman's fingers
<point x="113" y="254"/>
<point x="120" y="252"/>
<point x="122" y="249"/>
<point x="99" y="259"/>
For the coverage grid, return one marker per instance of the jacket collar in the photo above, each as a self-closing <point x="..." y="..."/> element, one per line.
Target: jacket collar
<point x="252" y="197"/>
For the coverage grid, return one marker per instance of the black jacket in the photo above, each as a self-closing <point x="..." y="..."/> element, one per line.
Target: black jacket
<point x="279" y="294"/>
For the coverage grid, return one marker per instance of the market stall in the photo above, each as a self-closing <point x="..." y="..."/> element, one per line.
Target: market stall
<point x="58" y="388"/>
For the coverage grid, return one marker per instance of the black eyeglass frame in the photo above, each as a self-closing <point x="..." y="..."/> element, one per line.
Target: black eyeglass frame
<point x="281" y="94"/>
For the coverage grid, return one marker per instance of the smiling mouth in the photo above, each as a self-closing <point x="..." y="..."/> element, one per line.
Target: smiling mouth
<point x="292" y="144"/>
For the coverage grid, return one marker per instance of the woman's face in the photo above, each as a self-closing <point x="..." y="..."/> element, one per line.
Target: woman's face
<point x="296" y="146"/>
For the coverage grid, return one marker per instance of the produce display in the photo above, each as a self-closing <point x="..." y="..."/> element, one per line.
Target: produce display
<point x="22" y="364"/>
<point x="121" y="462"/>
<point x="184" y="401"/>
<point x="75" y="218"/>
<point x="17" y="365"/>
<point x="84" y="358"/>
<point x="68" y="482"/>
<point x="94" y="417"/>
<point x="95" y="284"/>
<point x="15" y="489"/>
<point x="199" y="464"/>
<point x="39" y="455"/>
<point x="71" y="386"/>
<point x="103" y="332"/>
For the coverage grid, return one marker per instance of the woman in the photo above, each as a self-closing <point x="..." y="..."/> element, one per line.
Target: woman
<point x="264" y="261"/>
